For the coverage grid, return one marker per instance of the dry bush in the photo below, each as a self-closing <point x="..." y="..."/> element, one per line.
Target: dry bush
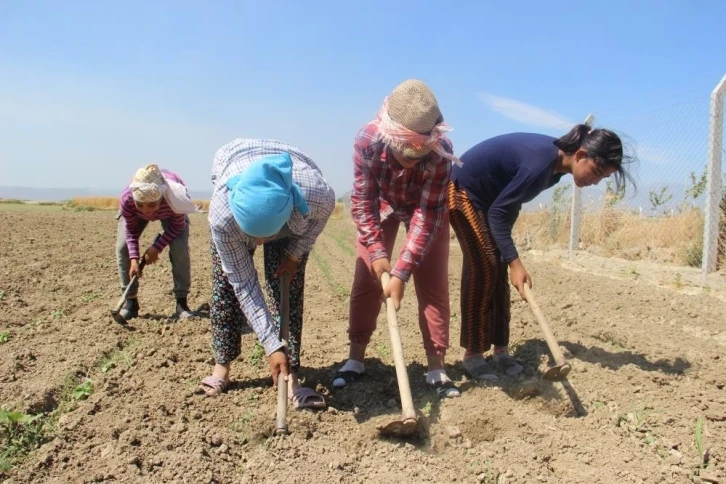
<point x="619" y="233"/>
<point x="337" y="211"/>
<point x="96" y="203"/>
<point x="532" y="230"/>
<point x="111" y="203"/>
<point x="677" y="238"/>
<point x="202" y="204"/>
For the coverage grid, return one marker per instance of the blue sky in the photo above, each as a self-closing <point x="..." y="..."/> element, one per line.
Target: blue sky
<point x="90" y="91"/>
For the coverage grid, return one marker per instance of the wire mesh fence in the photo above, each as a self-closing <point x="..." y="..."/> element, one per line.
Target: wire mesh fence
<point x="664" y="220"/>
<point x="346" y="204"/>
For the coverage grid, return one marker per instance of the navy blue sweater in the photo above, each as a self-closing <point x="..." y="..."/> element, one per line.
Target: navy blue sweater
<point x="502" y="173"/>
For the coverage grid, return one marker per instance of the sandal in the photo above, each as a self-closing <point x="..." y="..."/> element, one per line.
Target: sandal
<point x="348" y="377"/>
<point x="507" y="364"/>
<point x="479" y="369"/>
<point x="445" y="389"/>
<point x="213" y="386"/>
<point x="307" y="398"/>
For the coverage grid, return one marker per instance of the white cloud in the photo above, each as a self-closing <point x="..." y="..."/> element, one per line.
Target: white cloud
<point x="524" y="113"/>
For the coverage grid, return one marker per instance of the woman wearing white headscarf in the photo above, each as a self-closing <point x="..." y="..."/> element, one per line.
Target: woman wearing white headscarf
<point x="155" y="194"/>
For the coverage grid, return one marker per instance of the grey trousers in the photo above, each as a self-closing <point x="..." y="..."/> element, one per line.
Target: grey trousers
<point x="181" y="266"/>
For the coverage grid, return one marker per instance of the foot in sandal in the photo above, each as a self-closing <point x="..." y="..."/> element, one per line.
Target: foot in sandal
<point x="505" y="363"/>
<point x="351" y="371"/>
<point x="217" y="383"/>
<point x="442" y="384"/>
<point x="307" y="398"/>
<point x="302" y="397"/>
<point x="478" y="368"/>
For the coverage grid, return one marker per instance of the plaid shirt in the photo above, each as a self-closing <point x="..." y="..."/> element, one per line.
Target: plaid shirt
<point x="383" y="188"/>
<point x="132" y="215"/>
<point x="234" y="246"/>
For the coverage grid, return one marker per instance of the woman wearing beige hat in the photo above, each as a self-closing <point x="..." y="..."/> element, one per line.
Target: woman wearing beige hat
<point x="155" y="194"/>
<point x="402" y="165"/>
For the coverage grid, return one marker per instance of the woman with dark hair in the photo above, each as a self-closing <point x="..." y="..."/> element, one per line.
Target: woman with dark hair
<point x="486" y="194"/>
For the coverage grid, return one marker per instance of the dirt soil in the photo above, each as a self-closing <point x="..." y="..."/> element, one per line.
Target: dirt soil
<point x="646" y="366"/>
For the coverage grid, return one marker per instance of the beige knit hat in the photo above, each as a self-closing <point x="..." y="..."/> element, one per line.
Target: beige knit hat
<point x="413" y="105"/>
<point x="148" y="184"/>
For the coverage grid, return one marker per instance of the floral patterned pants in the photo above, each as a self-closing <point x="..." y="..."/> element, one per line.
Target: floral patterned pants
<point x="228" y="320"/>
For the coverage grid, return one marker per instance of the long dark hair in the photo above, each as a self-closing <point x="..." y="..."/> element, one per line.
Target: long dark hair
<point x="602" y="145"/>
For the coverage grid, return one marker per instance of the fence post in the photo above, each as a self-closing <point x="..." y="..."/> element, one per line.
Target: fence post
<point x="576" y="216"/>
<point x="713" y="184"/>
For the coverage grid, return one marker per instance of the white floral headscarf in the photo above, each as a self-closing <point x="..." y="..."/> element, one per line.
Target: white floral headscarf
<point x="148" y="184"/>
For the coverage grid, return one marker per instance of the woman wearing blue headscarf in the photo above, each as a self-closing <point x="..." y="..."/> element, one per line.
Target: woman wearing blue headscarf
<point x="272" y="194"/>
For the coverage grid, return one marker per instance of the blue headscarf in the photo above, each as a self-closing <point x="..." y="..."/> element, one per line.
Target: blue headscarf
<point x="263" y="196"/>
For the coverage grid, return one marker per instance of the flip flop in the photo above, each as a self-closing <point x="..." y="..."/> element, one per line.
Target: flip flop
<point x="479" y="369"/>
<point x="348" y="377"/>
<point x="445" y="389"/>
<point x="507" y="364"/>
<point x="307" y="398"/>
<point x="213" y="386"/>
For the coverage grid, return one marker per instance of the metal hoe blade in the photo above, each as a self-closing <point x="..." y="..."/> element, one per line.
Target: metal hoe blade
<point x="118" y="318"/>
<point x="561" y="368"/>
<point x="399" y="427"/>
<point x="557" y="373"/>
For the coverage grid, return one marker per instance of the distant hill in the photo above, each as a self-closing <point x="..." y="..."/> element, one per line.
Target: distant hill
<point x="591" y="196"/>
<point x="58" y="194"/>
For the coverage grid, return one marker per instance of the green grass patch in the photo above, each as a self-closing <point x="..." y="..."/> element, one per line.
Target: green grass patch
<point x="20" y="434"/>
<point x="613" y="340"/>
<point x="83" y="390"/>
<point x="91" y="296"/>
<point x="698" y="435"/>
<point x="85" y="208"/>
<point x="30" y="207"/>
<point x="341" y="292"/>
<point x="122" y="355"/>
<point x="257" y="355"/>
<point x="243" y="420"/>
<point x="383" y="352"/>
<point x="342" y="243"/>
